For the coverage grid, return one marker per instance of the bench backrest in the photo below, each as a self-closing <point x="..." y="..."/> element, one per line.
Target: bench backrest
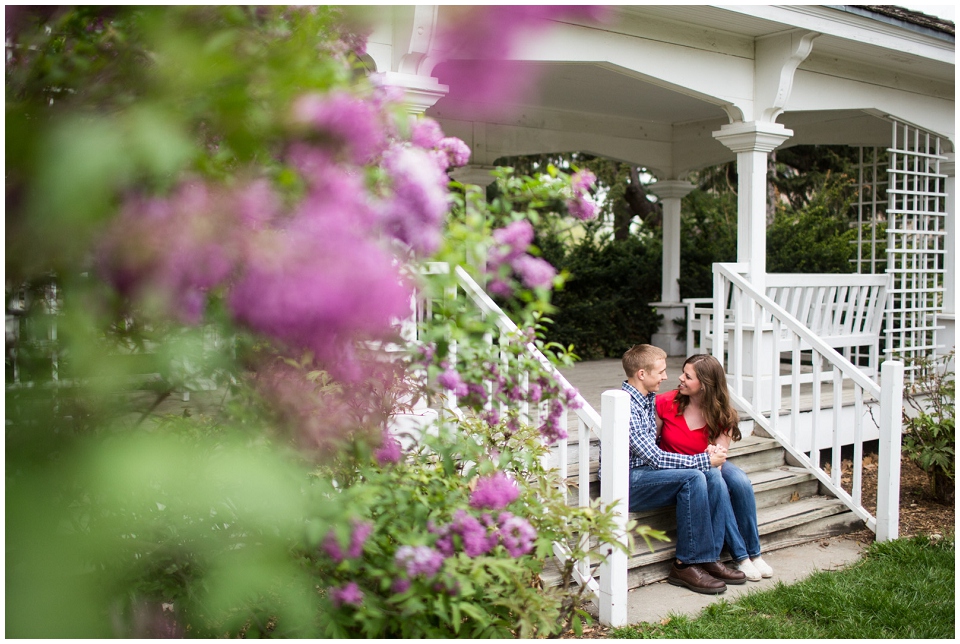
<point x="832" y="306"/>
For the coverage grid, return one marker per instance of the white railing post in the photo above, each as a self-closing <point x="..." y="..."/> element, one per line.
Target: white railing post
<point x="891" y="430"/>
<point x="615" y="492"/>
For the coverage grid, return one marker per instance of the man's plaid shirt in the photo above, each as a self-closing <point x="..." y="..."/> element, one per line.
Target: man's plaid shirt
<point x="643" y="437"/>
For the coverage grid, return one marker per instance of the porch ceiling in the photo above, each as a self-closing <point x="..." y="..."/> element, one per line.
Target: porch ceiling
<point x="604" y="108"/>
<point x="592" y="88"/>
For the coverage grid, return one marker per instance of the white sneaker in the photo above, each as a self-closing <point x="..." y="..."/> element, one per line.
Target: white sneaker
<point x="746" y="567"/>
<point x="762" y="566"/>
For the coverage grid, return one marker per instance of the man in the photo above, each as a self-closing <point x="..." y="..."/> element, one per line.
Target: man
<point x="659" y="479"/>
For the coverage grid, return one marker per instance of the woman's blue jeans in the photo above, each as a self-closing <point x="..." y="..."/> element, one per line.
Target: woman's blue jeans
<point x="688" y="491"/>
<point x="739" y="519"/>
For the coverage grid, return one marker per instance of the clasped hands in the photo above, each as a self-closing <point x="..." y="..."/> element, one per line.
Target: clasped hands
<point x="718" y="455"/>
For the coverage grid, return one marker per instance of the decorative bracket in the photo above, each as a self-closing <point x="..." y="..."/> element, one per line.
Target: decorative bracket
<point x="777" y="59"/>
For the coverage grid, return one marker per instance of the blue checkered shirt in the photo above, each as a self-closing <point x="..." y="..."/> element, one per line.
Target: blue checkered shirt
<point x="643" y="437"/>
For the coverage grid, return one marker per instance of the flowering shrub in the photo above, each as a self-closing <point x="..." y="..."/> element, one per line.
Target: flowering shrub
<point x="443" y="559"/>
<point x="213" y="209"/>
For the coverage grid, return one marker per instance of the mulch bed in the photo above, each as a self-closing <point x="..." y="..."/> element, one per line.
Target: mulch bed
<point x="919" y="512"/>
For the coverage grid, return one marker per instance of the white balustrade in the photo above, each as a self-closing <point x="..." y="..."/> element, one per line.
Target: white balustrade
<point x="610" y="592"/>
<point x="876" y="409"/>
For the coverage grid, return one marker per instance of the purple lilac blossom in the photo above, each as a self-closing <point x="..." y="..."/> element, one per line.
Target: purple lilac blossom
<point x="426" y="133"/>
<point x="491" y="416"/>
<point x="350" y="594"/>
<point x="451" y="380"/>
<point x="419" y="560"/>
<point x="512" y="241"/>
<point x="494" y="492"/>
<point x="352" y="123"/>
<point x="320" y="292"/>
<point x="174" y="250"/>
<point x="573" y="399"/>
<point x="332" y="547"/>
<point x="257" y="204"/>
<point x="473" y="536"/>
<point x="582" y="181"/>
<point x="389" y="450"/>
<point x="361" y="531"/>
<point x="456" y="150"/>
<point x="582" y="208"/>
<point x="478" y="41"/>
<point x="516" y="534"/>
<point x="534" y="271"/>
<point x="535" y="392"/>
<point x="400" y="586"/>
<point x="551" y="429"/>
<point x="415" y="212"/>
<point x="499" y="287"/>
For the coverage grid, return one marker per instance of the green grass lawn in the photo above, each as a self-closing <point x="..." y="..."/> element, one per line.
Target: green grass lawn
<point x="901" y="589"/>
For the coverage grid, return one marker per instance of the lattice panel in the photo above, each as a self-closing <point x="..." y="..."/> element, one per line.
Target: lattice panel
<point x="871" y="211"/>
<point x="916" y="218"/>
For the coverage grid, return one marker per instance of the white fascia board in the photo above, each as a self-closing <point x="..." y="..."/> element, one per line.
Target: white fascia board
<point x="852" y="27"/>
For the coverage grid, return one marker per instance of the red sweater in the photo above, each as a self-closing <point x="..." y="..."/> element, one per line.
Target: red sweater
<point x="677" y="436"/>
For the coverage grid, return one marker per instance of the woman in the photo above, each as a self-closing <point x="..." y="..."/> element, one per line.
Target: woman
<point x="698" y="417"/>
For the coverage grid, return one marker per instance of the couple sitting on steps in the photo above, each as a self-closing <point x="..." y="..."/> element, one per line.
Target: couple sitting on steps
<point x="678" y="454"/>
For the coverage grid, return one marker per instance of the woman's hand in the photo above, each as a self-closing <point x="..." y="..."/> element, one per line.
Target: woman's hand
<point x="718" y="455"/>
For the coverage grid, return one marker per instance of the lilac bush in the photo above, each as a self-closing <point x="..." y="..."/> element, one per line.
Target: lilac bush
<point x="247" y="187"/>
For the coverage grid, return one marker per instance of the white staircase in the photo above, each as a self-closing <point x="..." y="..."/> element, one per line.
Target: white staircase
<point x="797" y="500"/>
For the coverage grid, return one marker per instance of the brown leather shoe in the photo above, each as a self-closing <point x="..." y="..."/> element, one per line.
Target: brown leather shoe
<point x="696" y="579"/>
<point x="728" y="575"/>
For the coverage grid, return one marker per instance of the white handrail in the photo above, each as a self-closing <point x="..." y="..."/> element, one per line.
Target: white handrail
<point x="746" y="298"/>
<point x="610" y="593"/>
<point x="489" y="307"/>
<point x="795" y="326"/>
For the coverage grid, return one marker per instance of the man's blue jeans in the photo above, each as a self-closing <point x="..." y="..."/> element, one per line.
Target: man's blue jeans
<point x="687" y="490"/>
<point x="739" y="511"/>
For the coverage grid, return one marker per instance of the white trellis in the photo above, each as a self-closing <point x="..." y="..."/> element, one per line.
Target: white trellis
<point x="871" y="208"/>
<point x="916" y="213"/>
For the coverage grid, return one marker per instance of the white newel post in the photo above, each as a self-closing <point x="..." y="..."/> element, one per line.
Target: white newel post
<point x="615" y="492"/>
<point x="752" y="142"/>
<point x="891" y="430"/>
<point x="670" y="193"/>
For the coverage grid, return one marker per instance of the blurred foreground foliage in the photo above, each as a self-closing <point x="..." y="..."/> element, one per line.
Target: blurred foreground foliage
<point x="131" y="512"/>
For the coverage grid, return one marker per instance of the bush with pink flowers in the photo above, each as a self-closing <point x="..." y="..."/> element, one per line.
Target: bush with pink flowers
<point x="214" y="228"/>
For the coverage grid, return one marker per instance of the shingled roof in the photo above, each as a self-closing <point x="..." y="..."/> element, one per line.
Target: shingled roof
<point x="912" y="17"/>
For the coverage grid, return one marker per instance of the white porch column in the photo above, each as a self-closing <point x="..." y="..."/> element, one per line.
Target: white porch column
<point x="752" y="142"/>
<point x="671" y="193"/>
<point x="420" y="92"/>
<point x="948" y="317"/>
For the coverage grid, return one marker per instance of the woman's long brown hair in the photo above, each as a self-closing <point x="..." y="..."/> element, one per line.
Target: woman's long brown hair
<point x="720" y="415"/>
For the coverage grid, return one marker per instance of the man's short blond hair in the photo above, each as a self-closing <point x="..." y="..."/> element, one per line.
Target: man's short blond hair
<point x="641" y="356"/>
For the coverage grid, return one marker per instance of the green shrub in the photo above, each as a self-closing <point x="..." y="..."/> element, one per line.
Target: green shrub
<point x="604" y="307"/>
<point x="930" y="436"/>
<point x="816" y="237"/>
